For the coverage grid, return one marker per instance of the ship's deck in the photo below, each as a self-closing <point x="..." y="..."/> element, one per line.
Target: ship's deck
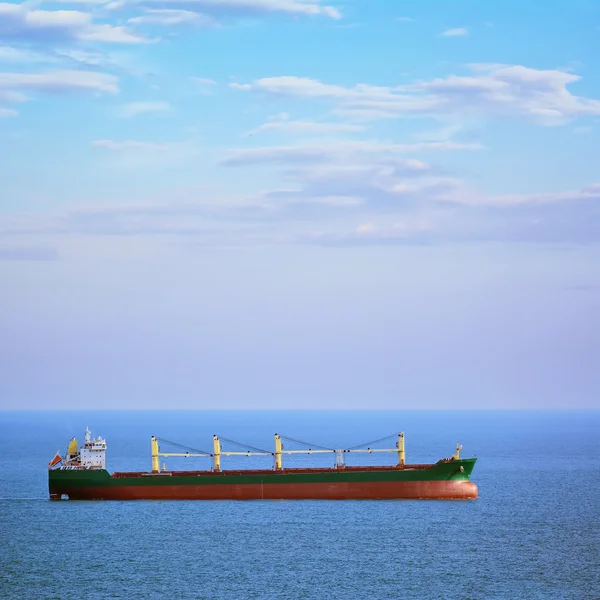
<point x="246" y="472"/>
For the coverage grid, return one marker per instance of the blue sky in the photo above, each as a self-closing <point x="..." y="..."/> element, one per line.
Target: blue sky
<point x="299" y="203"/>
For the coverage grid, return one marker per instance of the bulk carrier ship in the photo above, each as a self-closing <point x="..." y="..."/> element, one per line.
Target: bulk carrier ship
<point x="81" y="475"/>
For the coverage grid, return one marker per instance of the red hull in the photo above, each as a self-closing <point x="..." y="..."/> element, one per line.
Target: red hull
<point x="409" y="490"/>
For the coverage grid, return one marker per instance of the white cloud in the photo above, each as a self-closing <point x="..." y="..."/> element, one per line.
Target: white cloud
<point x="298" y="199"/>
<point x="11" y="95"/>
<point x="237" y="7"/>
<point x="446" y="131"/>
<point x="590" y="193"/>
<point x="337" y="150"/>
<point x="12" y="85"/>
<point x="18" y="22"/>
<point x="129" y="145"/>
<point x="148" y="155"/>
<point x="400" y="230"/>
<point x="7" y="112"/>
<point x="283" y="125"/>
<point x="371" y="174"/>
<point x="489" y="90"/>
<point x="303" y="87"/>
<point x="442" y="217"/>
<point x="342" y="208"/>
<point x="69" y="54"/>
<point x="203" y="80"/>
<point x="203" y="85"/>
<point x="115" y="35"/>
<point x="456" y="32"/>
<point x="81" y="2"/>
<point x="9" y="54"/>
<point x="282" y="116"/>
<point x="166" y="17"/>
<point x="132" y="109"/>
<point x="404" y="19"/>
<point x="365" y="115"/>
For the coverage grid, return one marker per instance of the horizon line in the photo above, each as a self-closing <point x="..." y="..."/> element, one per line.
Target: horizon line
<point x="124" y="409"/>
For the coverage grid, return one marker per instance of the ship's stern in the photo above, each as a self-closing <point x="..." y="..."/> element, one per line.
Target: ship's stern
<point x="76" y="484"/>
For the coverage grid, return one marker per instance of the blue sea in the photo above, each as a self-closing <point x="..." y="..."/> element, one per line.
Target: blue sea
<point x="533" y="533"/>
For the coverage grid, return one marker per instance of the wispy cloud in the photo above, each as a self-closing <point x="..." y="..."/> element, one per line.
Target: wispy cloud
<point x="337" y="150"/>
<point x="133" y="109"/>
<point x="489" y="90"/>
<point x="345" y="191"/>
<point x="569" y="219"/>
<point x="19" y="22"/>
<point x="145" y="155"/>
<point x="203" y="84"/>
<point x="582" y="130"/>
<point x="87" y="3"/>
<point x="169" y="16"/>
<point x="282" y="124"/>
<point x="14" y="86"/>
<point x="401" y="230"/>
<point x="203" y="80"/>
<point x="65" y="56"/>
<point x="343" y="204"/>
<point x="331" y="183"/>
<point x="590" y="193"/>
<point x="456" y="32"/>
<point x="349" y="176"/>
<point x="228" y="8"/>
<point x="128" y="145"/>
<point x="303" y="87"/>
<point x="11" y="55"/>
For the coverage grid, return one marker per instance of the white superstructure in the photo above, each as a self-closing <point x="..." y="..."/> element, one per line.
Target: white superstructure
<point x="92" y="455"/>
<point x="93" y="452"/>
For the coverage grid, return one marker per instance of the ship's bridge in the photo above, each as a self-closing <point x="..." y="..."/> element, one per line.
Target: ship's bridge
<point x="93" y="452"/>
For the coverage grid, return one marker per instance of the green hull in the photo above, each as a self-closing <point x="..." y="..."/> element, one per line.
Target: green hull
<point x="445" y="479"/>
